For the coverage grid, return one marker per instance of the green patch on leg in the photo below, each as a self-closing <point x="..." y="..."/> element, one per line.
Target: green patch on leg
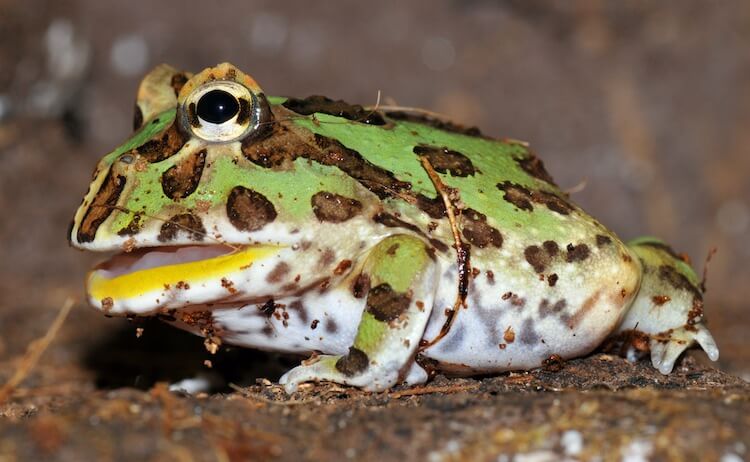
<point x="398" y="262"/>
<point x="370" y="334"/>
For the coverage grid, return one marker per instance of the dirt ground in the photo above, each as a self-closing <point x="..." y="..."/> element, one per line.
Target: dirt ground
<point x="642" y="106"/>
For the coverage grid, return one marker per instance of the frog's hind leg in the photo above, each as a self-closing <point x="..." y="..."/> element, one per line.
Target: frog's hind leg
<point x="668" y="308"/>
<point x="402" y="282"/>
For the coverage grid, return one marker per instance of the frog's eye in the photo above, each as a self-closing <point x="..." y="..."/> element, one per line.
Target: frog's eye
<point x="217" y="107"/>
<point x="221" y="111"/>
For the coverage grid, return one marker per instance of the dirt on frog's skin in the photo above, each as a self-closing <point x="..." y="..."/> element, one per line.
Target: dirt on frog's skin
<point x="601" y="405"/>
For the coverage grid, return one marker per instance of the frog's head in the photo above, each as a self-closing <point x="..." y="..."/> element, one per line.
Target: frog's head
<point x="668" y="308"/>
<point x="173" y="198"/>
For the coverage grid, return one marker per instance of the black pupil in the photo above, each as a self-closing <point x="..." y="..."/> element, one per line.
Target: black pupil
<point x="217" y="106"/>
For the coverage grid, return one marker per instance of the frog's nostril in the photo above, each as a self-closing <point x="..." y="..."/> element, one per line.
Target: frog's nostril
<point x="217" y="106"/>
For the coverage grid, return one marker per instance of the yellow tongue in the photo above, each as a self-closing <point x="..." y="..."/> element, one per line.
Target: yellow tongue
<point x="142" y="282"/>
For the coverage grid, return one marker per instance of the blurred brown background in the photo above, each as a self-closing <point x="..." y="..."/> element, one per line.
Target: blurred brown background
<point x="647" y="103"/>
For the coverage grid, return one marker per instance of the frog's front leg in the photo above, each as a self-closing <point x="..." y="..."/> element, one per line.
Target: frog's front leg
<point x="403" y="278"/>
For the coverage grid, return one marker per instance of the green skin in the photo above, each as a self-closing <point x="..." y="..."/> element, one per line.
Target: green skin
<point x="518" y="228"/>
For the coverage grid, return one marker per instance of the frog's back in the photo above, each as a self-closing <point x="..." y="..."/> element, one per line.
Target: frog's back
<point x="546" y="278"/>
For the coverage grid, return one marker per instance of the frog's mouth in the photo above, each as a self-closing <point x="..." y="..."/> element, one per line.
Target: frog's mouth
<point x="152" y="277"/>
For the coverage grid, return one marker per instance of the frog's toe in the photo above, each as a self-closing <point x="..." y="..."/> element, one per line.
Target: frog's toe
<point x="346" y="370"/>
<point x="707" y="342"/>
<point x="416" y="375"/>
<point x="664" y="352"/>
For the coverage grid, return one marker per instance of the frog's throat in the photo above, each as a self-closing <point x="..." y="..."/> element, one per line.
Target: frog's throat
<point x="125" y="284"/>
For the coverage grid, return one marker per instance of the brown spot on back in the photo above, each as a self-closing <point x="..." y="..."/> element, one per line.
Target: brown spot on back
<point x="552" y="279"/>
<point x="180" y="180"/>
<point x="385" y="304"/>
<point x="534" y="166"/>
<point x="353" y="363"/>
<point x="552" y="201"/>
<point x="478" y="232"/>
<point x="321" y="104"/>
<point x="249" y="210"/>
<point x="540" y="257"/>
<point x="376" y="179"/>
<point x="578" y="252"/>
<point x="434" y="122"/>
<point x="185" y="223"/>
<point x="101" y="207"/>
<point x="166" y="145"/>
<point x="659" y="300"/>
<point x="444" y="160"/>
<point x="333" y="207"/>
<point x="602" y="240"/>
<point x="517" y="195"/>
<point x="523" y="199"/>
<point x="278" y="273"/>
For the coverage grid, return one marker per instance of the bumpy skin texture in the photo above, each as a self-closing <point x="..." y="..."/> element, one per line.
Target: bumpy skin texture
<point x="311" y="225"/>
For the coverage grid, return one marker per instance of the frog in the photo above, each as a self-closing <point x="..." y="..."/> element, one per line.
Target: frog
<point x="387" y="244"/>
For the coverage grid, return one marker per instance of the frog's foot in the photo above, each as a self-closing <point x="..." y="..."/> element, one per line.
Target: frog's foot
<point x="665" y="350"/>
<point x="402" y="278"/>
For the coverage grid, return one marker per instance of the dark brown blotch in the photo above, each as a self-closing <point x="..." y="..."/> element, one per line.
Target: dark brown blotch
<point x="181" y="180"/>
<point x="477" y="232"/>
<point x="444" y="160"/>
<point x="101" y="207"/>
<point x="552" y="279"/>
<point x="517" y="195"/>
<point x="534" y="166"/>
<point x="536" y="257"/>
<point x="323" y="105"/>
<point x="552" y="201"/>
<point x="353" y="363"/>
<point x="182" y="223"/>
<point x="249" y="210"/>
<point x="377" y="179"/>
<point x="385" y="304"/>
<point x="166" y="145"/>
<point x="578" y="252"/>
<point x="334" y="208"/>
<point x="602" y="240"/>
